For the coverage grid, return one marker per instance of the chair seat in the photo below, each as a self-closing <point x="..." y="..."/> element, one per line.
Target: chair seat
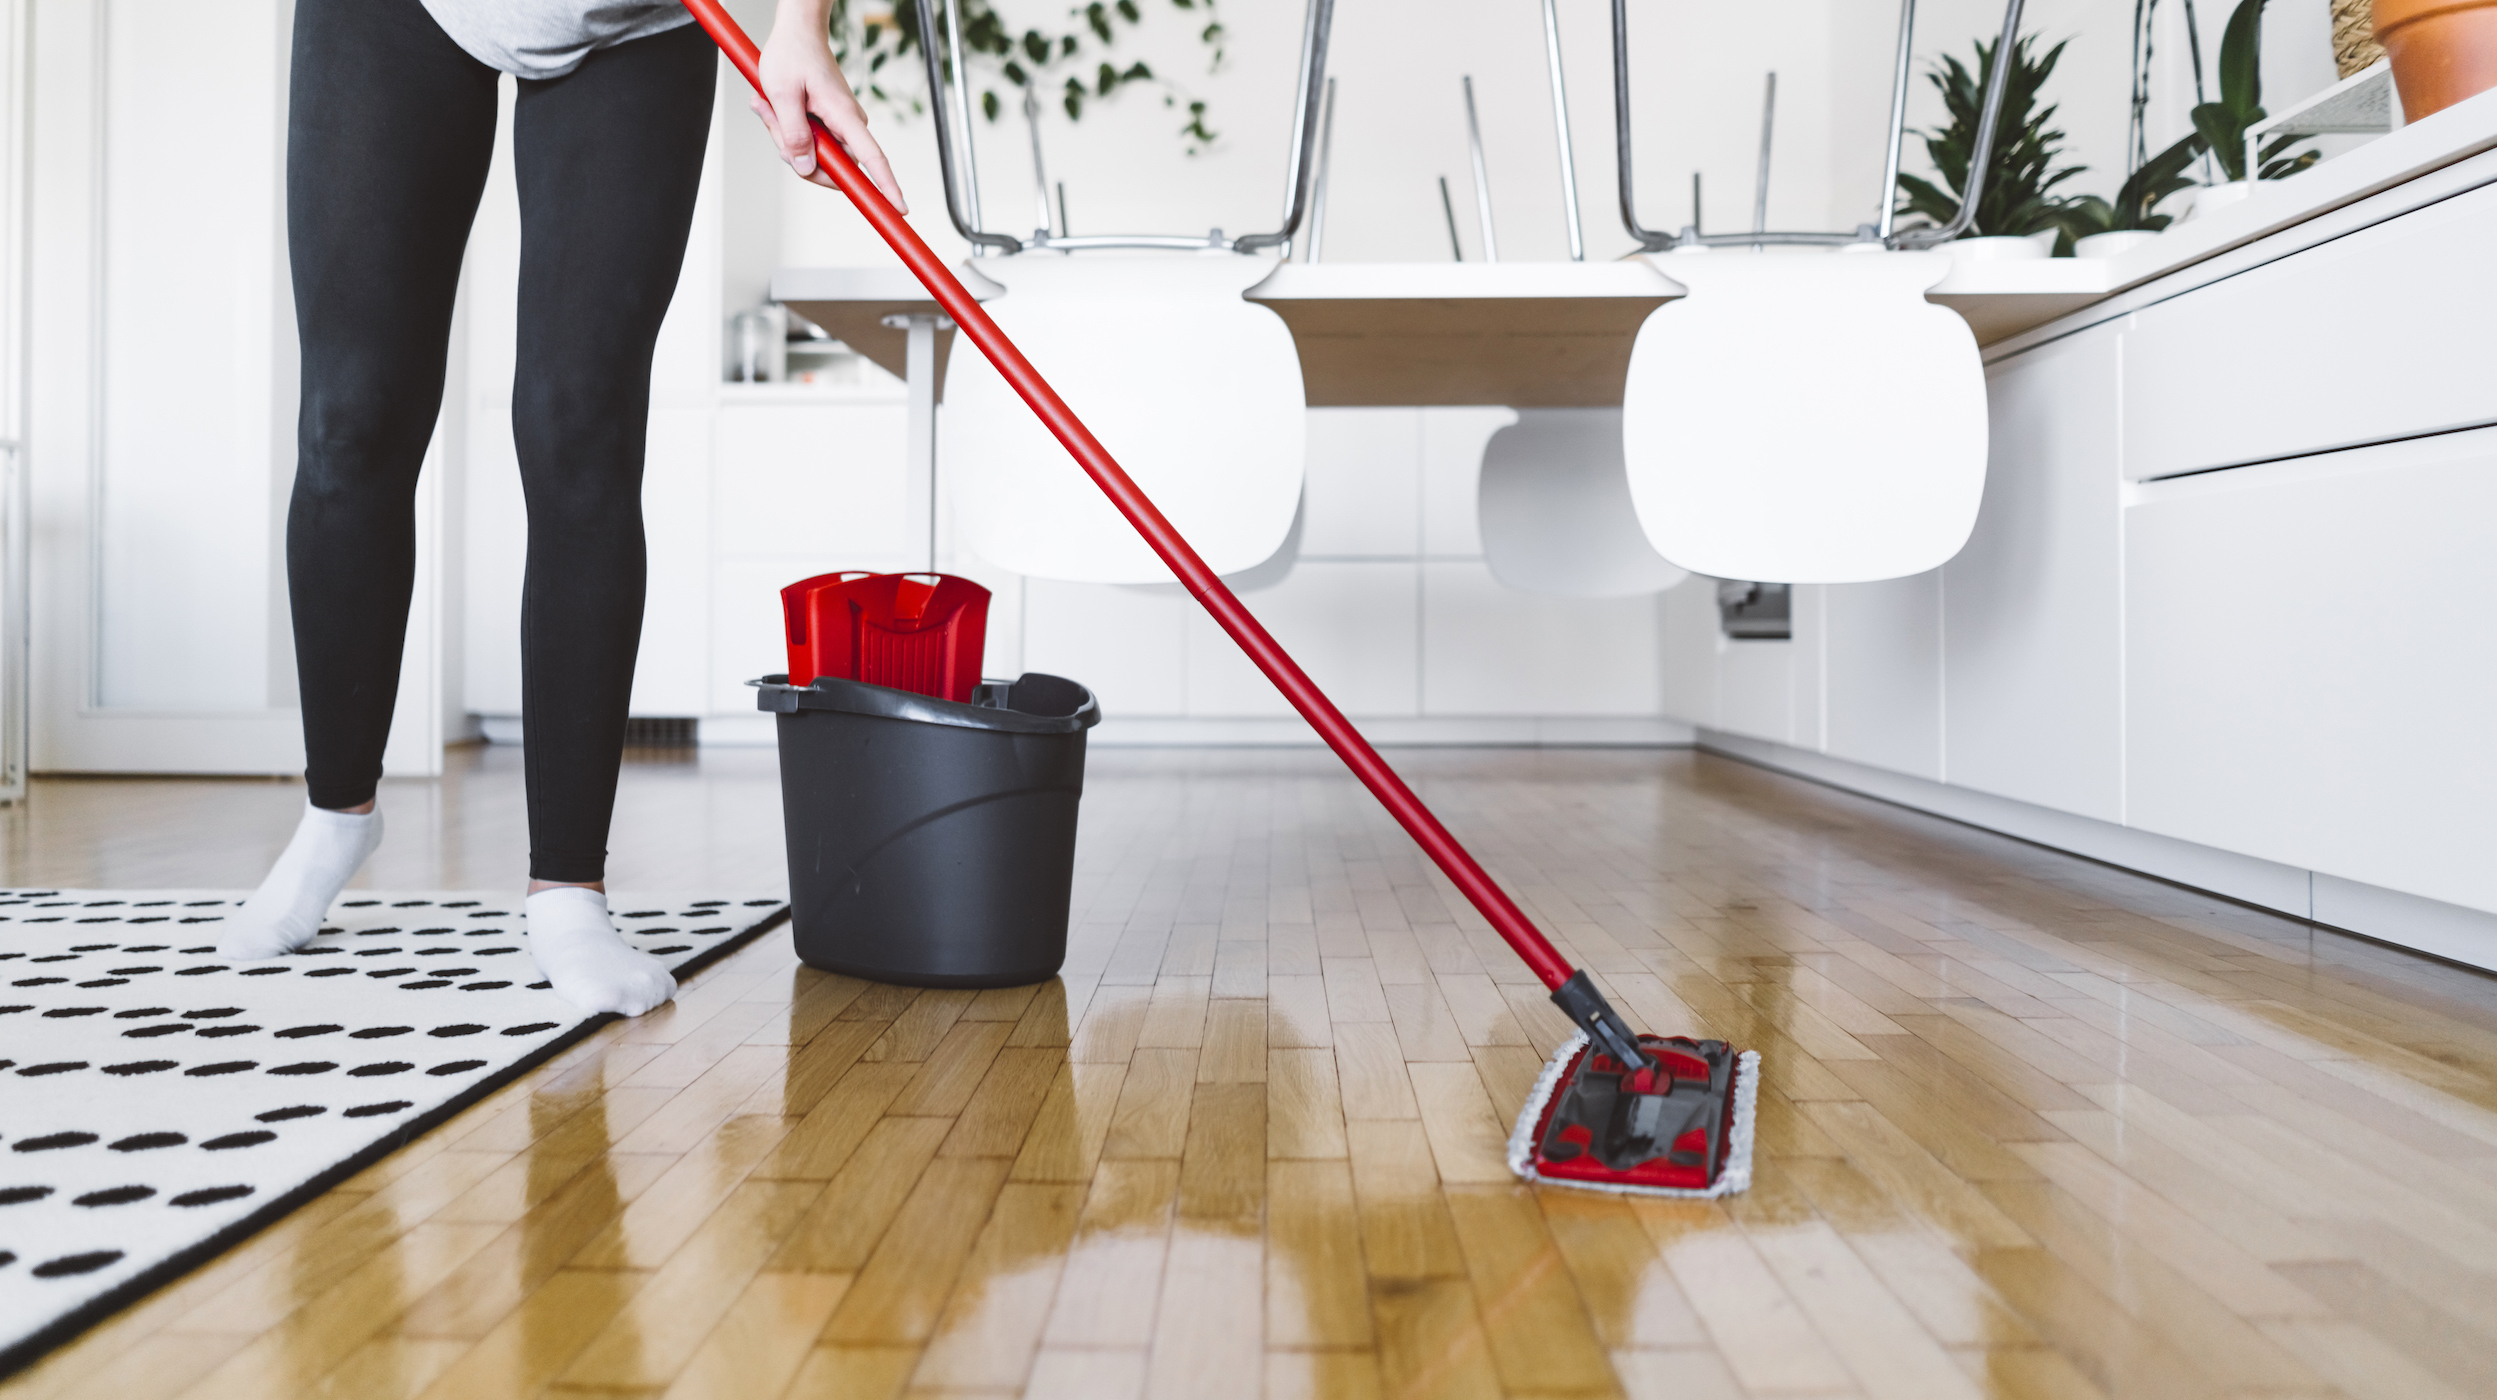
<point x="1805" y="418"/>
<point x="1554" y="506"/>
<point x="1195" y="391"/>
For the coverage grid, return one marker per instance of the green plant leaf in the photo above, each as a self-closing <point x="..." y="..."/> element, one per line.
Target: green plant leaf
<point x="2086" y="214"/>
<point x="2158" y="178"/>
<point x="2224" y="135"/>
<point x="2241" y="59"/>
<point x="2023" y="166"/>
<point x="1924" y="198"/>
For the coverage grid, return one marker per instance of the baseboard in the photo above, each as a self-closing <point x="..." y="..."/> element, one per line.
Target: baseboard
<point x="713" y="731"/>
<point x="754" y="731"/>
<point x="2448" y="931"/>
<point x="1175" y="731"/>
<point x="2430" y="926"/>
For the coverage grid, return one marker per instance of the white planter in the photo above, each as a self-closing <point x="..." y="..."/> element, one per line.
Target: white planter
<point x="2211" y="198"/>
<point x="2001" y="247"/>
<point x="2108" y="245"/>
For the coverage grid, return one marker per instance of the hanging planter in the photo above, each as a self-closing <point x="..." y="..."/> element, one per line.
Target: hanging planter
<point x="2442" y="50"/>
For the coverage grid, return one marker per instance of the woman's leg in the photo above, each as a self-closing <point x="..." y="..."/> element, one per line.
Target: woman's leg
<point x="609" y="158"/>
<point x="389" y="134"/>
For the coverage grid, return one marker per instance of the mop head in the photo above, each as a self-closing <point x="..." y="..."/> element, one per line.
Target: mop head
<point x="1580" y="1129"/>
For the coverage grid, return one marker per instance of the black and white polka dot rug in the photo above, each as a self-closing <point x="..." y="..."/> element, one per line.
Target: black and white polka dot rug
<point x="158" y="1104"/>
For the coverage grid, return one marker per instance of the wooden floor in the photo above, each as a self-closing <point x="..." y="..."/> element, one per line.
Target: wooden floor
<point x="2031" y="1127"/>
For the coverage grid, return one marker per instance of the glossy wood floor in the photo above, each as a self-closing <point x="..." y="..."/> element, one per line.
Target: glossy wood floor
<point x="2031" y="1127"/>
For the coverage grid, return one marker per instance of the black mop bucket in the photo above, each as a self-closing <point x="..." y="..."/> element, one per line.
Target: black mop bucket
<point x="931" y="843"/>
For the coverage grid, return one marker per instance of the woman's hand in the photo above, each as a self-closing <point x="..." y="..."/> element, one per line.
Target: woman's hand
<point x="800" y="78"/>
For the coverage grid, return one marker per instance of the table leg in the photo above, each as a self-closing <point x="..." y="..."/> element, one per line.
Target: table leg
<point x="919" y="374"/>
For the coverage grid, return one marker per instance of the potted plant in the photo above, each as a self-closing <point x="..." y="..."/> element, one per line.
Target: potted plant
<point x="2222" y="125"/>
<point x="2101" y="228"/>
<point x="2017" y="205"/>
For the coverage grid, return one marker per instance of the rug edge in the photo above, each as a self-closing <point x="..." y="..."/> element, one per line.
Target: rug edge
<point x="20" y="1356"/>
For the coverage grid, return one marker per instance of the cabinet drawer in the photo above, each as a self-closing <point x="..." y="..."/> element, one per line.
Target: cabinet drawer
<point x="2311" y="676"/>
<point x="2376" y="336"/>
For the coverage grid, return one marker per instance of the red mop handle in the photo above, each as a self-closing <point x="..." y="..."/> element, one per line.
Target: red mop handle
<point x="1200" y="581"/>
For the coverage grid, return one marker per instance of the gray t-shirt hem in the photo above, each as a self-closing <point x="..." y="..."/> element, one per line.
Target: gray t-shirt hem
<point x="549" y="38"/>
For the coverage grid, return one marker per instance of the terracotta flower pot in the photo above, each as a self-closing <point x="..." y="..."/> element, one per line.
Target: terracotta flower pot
<point x="2442" y="50"/>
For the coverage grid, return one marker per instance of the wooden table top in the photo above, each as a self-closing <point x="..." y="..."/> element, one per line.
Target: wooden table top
<point x="1526" y="335"/>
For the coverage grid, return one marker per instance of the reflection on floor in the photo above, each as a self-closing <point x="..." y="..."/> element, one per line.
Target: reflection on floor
<point x="2031" y="1127"/>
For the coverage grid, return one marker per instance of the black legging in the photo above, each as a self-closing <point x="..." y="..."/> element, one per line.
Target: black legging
<point x="388" y="140"/>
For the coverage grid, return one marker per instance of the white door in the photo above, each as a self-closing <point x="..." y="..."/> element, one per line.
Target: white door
<point x="162" y="395"/>
<point x="13" y="537"/>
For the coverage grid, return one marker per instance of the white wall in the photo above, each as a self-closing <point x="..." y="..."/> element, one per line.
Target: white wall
<point x="1697" y="71"/>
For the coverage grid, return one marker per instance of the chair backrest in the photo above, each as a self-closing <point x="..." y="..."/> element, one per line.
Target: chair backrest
<point x="917" y="632"/>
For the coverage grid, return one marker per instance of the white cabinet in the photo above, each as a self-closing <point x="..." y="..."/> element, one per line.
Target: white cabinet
<point x="670" y="672"/>
<point x="2225" y="615"/>
<point x="1452" y="460"/>
<point x="2309" y="664"/>
<point x="2032" y="679"/>
<point x="1128" y="643"/>
<point x="1351" y="624"/>
<point x="1883" y="651"/>
<point x="746" y="639"/>
<point x="794" y="486"/>
<point x="806" y="480"/>
<point x="1756" y="687"/>
<point x="1687" y="613"/>
<point x="1489" y="650"/>
<point x="1385" y="602"/>
<point x="1362" y="494"/>
<point x="2371" y="337"/>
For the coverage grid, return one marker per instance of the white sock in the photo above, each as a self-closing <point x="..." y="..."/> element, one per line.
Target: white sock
<point x="286" y="911"/>
<point x="588" y="962"/>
